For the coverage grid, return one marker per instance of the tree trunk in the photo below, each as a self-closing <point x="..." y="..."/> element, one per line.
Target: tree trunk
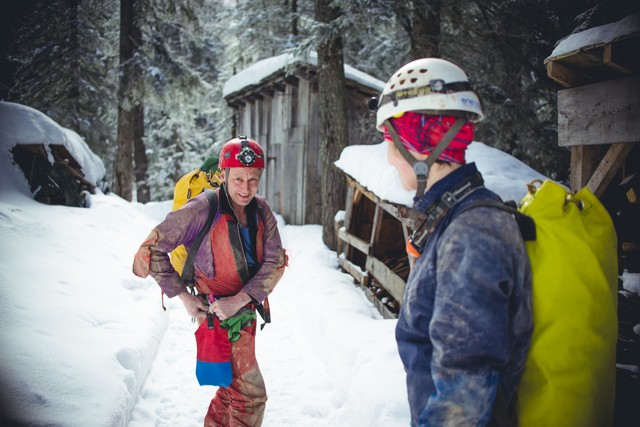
<point x="421" y="21"/>
<point x="130" y="107"/>
<point x="333" y="121"/>
<point x="124" y="156"/>
<point x="294" y="17"/>
<point x="140" y="155"/>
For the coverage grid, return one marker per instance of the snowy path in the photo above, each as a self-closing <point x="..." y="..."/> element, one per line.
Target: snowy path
<point x="316" y="373"/>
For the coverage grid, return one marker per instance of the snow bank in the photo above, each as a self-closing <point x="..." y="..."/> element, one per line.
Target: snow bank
<point x="502" y="172"/>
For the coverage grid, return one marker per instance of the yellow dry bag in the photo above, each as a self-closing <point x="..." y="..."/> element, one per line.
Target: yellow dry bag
<point x="190" y="185"/>
<point x="569" y="375"/>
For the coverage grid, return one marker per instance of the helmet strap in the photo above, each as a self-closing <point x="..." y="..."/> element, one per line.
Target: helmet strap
<point x="421" y="167"/>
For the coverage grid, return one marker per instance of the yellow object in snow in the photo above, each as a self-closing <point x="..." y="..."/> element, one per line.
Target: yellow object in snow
<point x="190" y="185"/>
<point x="569" y="375"/>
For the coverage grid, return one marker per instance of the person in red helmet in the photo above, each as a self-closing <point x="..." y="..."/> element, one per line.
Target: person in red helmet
<point x="236" y="268"/>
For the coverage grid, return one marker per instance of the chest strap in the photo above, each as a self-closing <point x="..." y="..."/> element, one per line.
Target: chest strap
<point x="435" y="214"/>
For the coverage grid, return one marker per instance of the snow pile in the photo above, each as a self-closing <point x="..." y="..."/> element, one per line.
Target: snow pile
<point x="85" y="342"/>
<point x="502" y="172"/>
<point x="22" y="125"/>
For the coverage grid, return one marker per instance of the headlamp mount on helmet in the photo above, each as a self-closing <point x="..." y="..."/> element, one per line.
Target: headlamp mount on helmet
<point x="247" y="156"/>
<point x="431" y="86"/>
<point x="241" y="152"/>
<point x="435" y="86"/>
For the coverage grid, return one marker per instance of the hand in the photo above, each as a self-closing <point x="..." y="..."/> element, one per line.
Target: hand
<point x="227" y="307"/>
<point x="194" y="305"/>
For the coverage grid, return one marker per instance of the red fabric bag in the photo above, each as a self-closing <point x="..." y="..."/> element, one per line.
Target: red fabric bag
<point x="213" y="359"/>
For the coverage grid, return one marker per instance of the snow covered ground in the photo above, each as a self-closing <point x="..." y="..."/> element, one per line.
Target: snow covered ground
<point x="86" y="343"/>
<point x="81" y="334"/>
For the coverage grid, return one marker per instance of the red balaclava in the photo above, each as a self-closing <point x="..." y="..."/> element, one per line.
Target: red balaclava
<point x="422" y="132"/>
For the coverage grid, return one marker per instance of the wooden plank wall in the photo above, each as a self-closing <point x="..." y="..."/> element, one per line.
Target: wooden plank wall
<point x="275" y="193"/>
<point x="285" y="120"/>
<point x="600" y="113"/>
<point x="595" y="119"/>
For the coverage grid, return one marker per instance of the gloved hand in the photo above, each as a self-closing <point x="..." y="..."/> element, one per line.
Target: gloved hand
<point x="238" y="322"/>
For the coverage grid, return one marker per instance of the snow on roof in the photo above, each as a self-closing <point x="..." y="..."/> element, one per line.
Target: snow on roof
<point x="597" y="36"/>
<point x="22" y="125"/>
<point x="502" y="173"/>
<point x="262" y="70"/>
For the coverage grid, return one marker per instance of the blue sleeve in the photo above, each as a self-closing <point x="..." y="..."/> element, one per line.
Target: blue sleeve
<point x="470" y="324"/>
<point x="462" y="398"/>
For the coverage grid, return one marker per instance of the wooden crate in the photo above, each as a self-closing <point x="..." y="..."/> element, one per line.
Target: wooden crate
<point x="373" y="238"/>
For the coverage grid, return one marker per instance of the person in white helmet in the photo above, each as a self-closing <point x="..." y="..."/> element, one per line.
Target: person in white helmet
<point x="465" y="321"/>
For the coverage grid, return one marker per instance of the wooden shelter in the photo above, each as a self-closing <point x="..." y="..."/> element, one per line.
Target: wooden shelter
<point x="600" y="107"/>
<point x="275" y="102"/>
<point x="373" y="235"/>
<point x="599" y="118"/>
<point x="59" y="167"/>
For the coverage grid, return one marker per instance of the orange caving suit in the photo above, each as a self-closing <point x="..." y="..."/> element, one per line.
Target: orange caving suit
<point x="221" y="269"/>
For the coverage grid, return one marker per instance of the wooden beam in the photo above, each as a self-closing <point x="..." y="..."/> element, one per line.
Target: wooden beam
<point x="611" y="162"/>
<point x="355" y="271"/>
<point x="391" y="282"/>
<point x="407" y="216"/>
<point x="564" y="75"/>
<point x="377" y="225"/>
<point x="600" y="113"/>
<point x="354" y="241"/>
<point x="619" y="57"/>
<point x="386" y="313"/>
<point x="584" y="161"/>
<point x="348" y="211"/>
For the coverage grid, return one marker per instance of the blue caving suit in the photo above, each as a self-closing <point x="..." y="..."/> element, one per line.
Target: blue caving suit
<point x="465" y="322"/>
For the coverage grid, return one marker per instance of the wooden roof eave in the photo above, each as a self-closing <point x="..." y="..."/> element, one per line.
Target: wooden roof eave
<point x="277" y="82"/>
<point x="267" y="87"/>
<point x="590" y="64"/>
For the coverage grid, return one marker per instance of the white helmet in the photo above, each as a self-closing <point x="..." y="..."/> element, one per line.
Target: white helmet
<point x="428" y="85"/>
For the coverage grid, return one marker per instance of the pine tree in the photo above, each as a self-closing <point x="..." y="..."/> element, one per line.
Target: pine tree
<point x="334" y="134"/>
<point x="130" y="103"/>
<point x="63" y="53"/>
<point x="184" y="111"/>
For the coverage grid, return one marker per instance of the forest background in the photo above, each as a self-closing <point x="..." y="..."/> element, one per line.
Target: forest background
<point x="142" y="80"/>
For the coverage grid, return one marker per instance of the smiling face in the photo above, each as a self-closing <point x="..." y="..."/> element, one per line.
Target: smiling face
<point x="242" y="185"/>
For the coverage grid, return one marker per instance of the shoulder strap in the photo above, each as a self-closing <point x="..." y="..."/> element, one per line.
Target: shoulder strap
<point x="188" y="269"/>
<point x="438" y="211"/>
<point x="526" y="224"/>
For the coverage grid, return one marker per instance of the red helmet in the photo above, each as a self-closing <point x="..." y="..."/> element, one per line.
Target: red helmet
<point x="241" y="152"/>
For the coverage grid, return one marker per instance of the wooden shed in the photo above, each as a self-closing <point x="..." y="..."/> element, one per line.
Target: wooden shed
<point x="599" y="118"/>
<point x="275" y="102"/>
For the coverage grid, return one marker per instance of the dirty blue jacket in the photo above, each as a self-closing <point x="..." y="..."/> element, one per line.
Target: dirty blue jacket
<point x="465" y="321"/>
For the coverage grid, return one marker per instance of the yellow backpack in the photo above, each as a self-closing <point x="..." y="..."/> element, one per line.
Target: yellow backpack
<point x="569" y="375"/>
<point x="190" y="185"/>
